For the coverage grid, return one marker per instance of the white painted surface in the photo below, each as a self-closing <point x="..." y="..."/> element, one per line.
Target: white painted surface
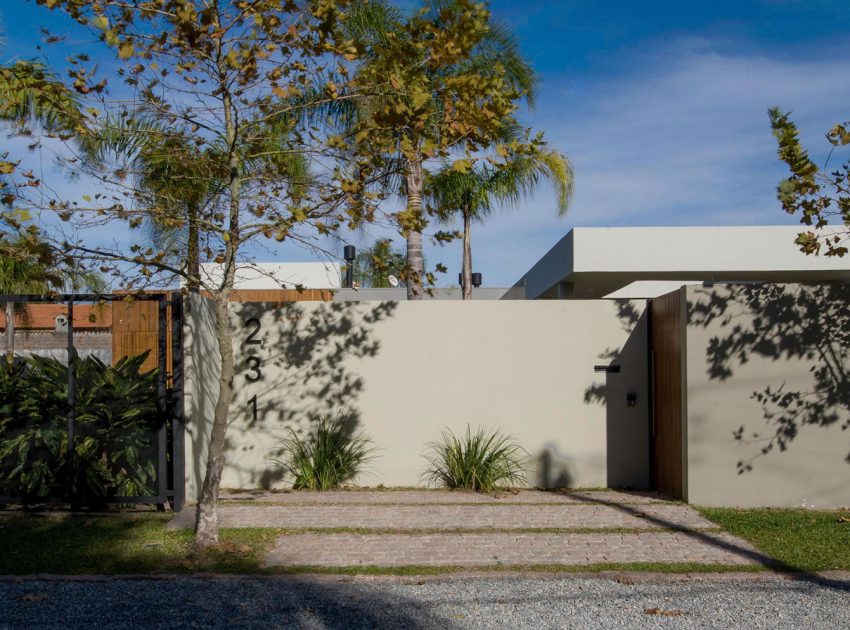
<point x="813" y="470"/>
<point x="596" y="262"/>
<point x="648" y="289"/>
<point x="700" y="249"/>
<point x="312" y="275"/>
<point x="407" y="370"/>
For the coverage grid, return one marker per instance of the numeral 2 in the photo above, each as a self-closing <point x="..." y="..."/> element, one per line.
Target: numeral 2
<point x="249" y="340"/>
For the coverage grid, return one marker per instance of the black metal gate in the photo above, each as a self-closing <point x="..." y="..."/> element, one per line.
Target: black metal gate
<point x="155" y="449"/>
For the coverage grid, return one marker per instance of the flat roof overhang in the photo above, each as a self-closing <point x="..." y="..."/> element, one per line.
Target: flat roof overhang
<point x="594" y="262"/>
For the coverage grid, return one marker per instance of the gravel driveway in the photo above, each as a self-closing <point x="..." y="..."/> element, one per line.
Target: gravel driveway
<point x="481" y="602"/>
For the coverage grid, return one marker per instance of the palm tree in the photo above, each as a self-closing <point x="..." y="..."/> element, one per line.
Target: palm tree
<point x="19" y="276"/>
<point x="168" y="175"/>
<point x="475" y="193"/>
<point x="30" y="94"/>
<point x="181" y="181"/>
<point x="28" y="267"/>
<point x="375" y="265"/>
<point x="498" y="52"/>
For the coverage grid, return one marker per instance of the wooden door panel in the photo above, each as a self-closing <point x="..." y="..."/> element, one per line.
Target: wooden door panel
<point x="667" y="315"/>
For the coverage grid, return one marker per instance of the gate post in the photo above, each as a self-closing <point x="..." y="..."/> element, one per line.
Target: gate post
<point x="178" y="453"/>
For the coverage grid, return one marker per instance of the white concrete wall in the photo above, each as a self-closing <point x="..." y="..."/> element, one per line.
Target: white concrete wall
<point x="272" y="275"/>
<point x="756" y="338"/>
<point x="599" y="261"/>
<point x="699" y="249"/>
<point x="406" y="370"/>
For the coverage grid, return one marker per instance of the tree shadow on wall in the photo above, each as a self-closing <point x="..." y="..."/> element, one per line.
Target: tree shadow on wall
<point x="808" y="323"/>
<point x="553" y="470"/>
<point x="297" y="365"/>
<point x="629" y="316"/>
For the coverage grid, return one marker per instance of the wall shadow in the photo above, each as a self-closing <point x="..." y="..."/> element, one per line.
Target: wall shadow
<point x="297" y="364"/>
<point x="629" y="315"/>
<point x="625" y="395"/>
<point x="753" y="555"/>
<point x="552" y="470"/>
<point x="809" y="324"/>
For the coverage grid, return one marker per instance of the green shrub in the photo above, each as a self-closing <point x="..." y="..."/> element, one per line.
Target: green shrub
<point x="117" y="417"/>
<point x="482" y="461"/>
<point x="326" y="458"/>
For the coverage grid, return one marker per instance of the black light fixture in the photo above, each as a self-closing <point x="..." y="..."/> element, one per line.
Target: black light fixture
<point x="609" y="369"/>
<point x="349" y="253"/>
<point x="477" y="279"/>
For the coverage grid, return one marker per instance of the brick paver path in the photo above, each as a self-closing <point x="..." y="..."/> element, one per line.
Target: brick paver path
<point x="475" y="550"/>
<point x="435" y="528"/>
<point x="484" y="516"/>
<point x="453" y="497"/>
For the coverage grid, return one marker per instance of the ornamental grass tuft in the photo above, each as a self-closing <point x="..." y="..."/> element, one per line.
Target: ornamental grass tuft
<point x="484" y="461"/>
<point x="326" y="458"/>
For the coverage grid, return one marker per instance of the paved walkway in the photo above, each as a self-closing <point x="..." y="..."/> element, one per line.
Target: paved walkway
<point x="436" y="528"/>
<point x="448" y="497"/>
<point x="502" y="549"/>
<point x="429" y="517"/>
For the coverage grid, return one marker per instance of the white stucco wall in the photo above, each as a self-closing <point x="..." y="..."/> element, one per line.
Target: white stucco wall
<point x="760" y="338"/>
<point x="274" y="275"/>
<point x="406" y="370"/>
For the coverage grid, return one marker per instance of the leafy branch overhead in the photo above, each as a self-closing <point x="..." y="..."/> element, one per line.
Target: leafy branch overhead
<point x="820" y="198"/>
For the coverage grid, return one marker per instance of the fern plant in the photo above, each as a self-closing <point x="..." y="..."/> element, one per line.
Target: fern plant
<point x="326" y="458"/>
<point x="482" y="461"/>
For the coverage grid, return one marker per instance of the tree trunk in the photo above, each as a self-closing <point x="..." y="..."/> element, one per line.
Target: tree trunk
<point x="467" y="257"/>
<point x="10" y="332"/>
<point x="207" y="526"/>
<point x="193" y="262"/>
<point x="413" y="233"/>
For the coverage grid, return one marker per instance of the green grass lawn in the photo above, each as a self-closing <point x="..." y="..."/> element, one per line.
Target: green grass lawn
<point x="121" y="543"/>
<point x="114" y="544"/>
<point x="65" y="544"/>
<point x="800" y="540"/>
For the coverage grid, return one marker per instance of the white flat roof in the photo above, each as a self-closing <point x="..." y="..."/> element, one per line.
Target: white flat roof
<point x="274" y="275"/>
<point x="614" y="257"/>
<point x="646" y="289"/>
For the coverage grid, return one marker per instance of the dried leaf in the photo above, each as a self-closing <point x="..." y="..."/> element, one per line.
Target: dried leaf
<point x="664" y="613"/>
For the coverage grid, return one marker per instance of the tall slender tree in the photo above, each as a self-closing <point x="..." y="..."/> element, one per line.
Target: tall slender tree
<point x="177" y="182"/>
<point x="221" y="75"/>
<point x="31" y="100"/>
<point x="473" y="194"/>
<point x="19" y="276"/>
<point x="436" y="99"/>
<point x="28" y="266"/>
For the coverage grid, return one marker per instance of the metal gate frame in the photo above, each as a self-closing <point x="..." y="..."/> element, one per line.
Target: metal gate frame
<point x="170" y="474"/>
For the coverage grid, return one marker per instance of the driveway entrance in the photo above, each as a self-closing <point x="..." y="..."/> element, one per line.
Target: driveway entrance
<point x="458" y="529"/>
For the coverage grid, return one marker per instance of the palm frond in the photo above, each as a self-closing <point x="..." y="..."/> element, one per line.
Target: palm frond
<point x="30" y="93"/>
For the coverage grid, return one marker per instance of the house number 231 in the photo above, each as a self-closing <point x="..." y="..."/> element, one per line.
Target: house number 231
<point x="254" y="364"/>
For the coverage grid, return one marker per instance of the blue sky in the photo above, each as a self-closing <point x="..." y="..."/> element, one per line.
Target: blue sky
<point x="660" y="105"/>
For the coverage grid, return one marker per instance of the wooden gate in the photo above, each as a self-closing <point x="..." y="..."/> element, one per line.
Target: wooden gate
<point x="135" y="329"/>
<point x="667" y="345"/>
<point x="135" y="323"/>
